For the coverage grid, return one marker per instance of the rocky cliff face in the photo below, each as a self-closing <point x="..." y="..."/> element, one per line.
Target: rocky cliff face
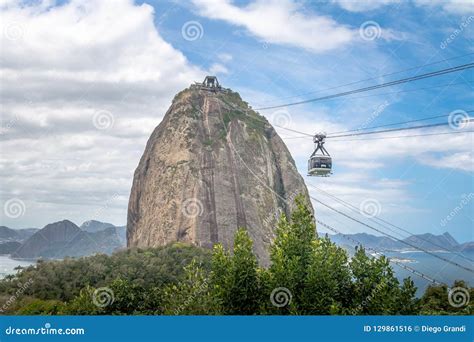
<point x="212" y="165"/>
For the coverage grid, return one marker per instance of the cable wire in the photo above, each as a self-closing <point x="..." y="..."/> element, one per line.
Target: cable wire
<point x="385" y="222"/>
<point x="383" y="85"/>
<point x="412" y="270"/>
<point x="446" y="260"/>
<point x="393" y="237"/>
<point x="396" y="123"/>
<point x="394" y="129"/>
<point x="374" y="78"/>
<point x="392" y="124"/>
<point x="284" y="199"/>
<point x="398" y="137"/>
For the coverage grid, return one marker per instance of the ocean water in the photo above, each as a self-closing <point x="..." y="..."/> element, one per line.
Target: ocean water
<point x="7" y="265"/>
<point x="433" y="267"/>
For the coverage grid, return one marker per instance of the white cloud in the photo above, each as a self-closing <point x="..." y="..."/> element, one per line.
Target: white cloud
<point x="459" y="161"/>
<point x="62" y="65"/>
<point x="281" y="22"/>
<point x="364" y="5"/>
<point x="225" y="57"/>
<point x="451" y="6"/>
<point x="218" y="69"/>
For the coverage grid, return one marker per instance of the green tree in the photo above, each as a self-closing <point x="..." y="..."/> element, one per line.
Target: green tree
<point x="122" y="298"/>
<point x="235" y="280"/>
<point x="439" y="299"/>
<point x="83" y="304"/>
<point x="63" y="279"/>
<point x="34" y="306"/>
<point x="191" y="296"/>
<point x="376" y="290"/>
<point x="291" y="256"/>
<point x="406" y="303"/>
<point x="327" y="287"/>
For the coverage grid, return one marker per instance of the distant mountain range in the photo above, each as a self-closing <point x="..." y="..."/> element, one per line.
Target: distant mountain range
<point x="60" y="239"/>
<point x="8" y="234"/>
<point x="64" y="238"/>
<point x="427" y="241"/>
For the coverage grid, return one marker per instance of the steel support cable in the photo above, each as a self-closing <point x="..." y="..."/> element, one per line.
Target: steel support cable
<point x="374" y="219"/>
<point x="395" y="129"/>
<point x="412" y="270"/>
<point x="374" y="78"/>
<point x="397" y="123"/>
<point x="393" y="237"/>
<point x="399" y="136"/>
<point x="378" y="86"/>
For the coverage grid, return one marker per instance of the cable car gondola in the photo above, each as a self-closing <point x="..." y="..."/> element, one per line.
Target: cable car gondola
<point x="320" y="162"/>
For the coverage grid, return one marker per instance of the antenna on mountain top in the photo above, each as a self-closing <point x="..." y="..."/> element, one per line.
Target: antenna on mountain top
<point x="210" y="83"/>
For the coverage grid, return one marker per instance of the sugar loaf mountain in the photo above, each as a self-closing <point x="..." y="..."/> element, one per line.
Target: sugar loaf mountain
<point x="211" y="166"/>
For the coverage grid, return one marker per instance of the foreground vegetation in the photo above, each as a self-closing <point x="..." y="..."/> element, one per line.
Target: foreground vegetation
<point x="308" y="276"/>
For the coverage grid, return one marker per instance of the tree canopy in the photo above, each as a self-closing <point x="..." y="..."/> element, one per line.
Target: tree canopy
<point x="308" y="275"/>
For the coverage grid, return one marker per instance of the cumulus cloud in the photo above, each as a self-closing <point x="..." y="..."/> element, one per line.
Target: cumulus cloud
<point x="225" y="57"/>
<point x="83" y="85"/>
<point x="218" y="69"/>
<point x="362" y="6"/>
<point x="458" y="161"/>
<point x="449" y="6"/>
<point x="281" y="22"/>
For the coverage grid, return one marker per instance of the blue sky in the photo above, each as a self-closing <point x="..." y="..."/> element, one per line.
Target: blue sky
<point x="117" y="56"/>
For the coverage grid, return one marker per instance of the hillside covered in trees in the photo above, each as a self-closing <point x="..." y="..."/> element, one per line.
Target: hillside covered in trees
<point x="308" y="275"/>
